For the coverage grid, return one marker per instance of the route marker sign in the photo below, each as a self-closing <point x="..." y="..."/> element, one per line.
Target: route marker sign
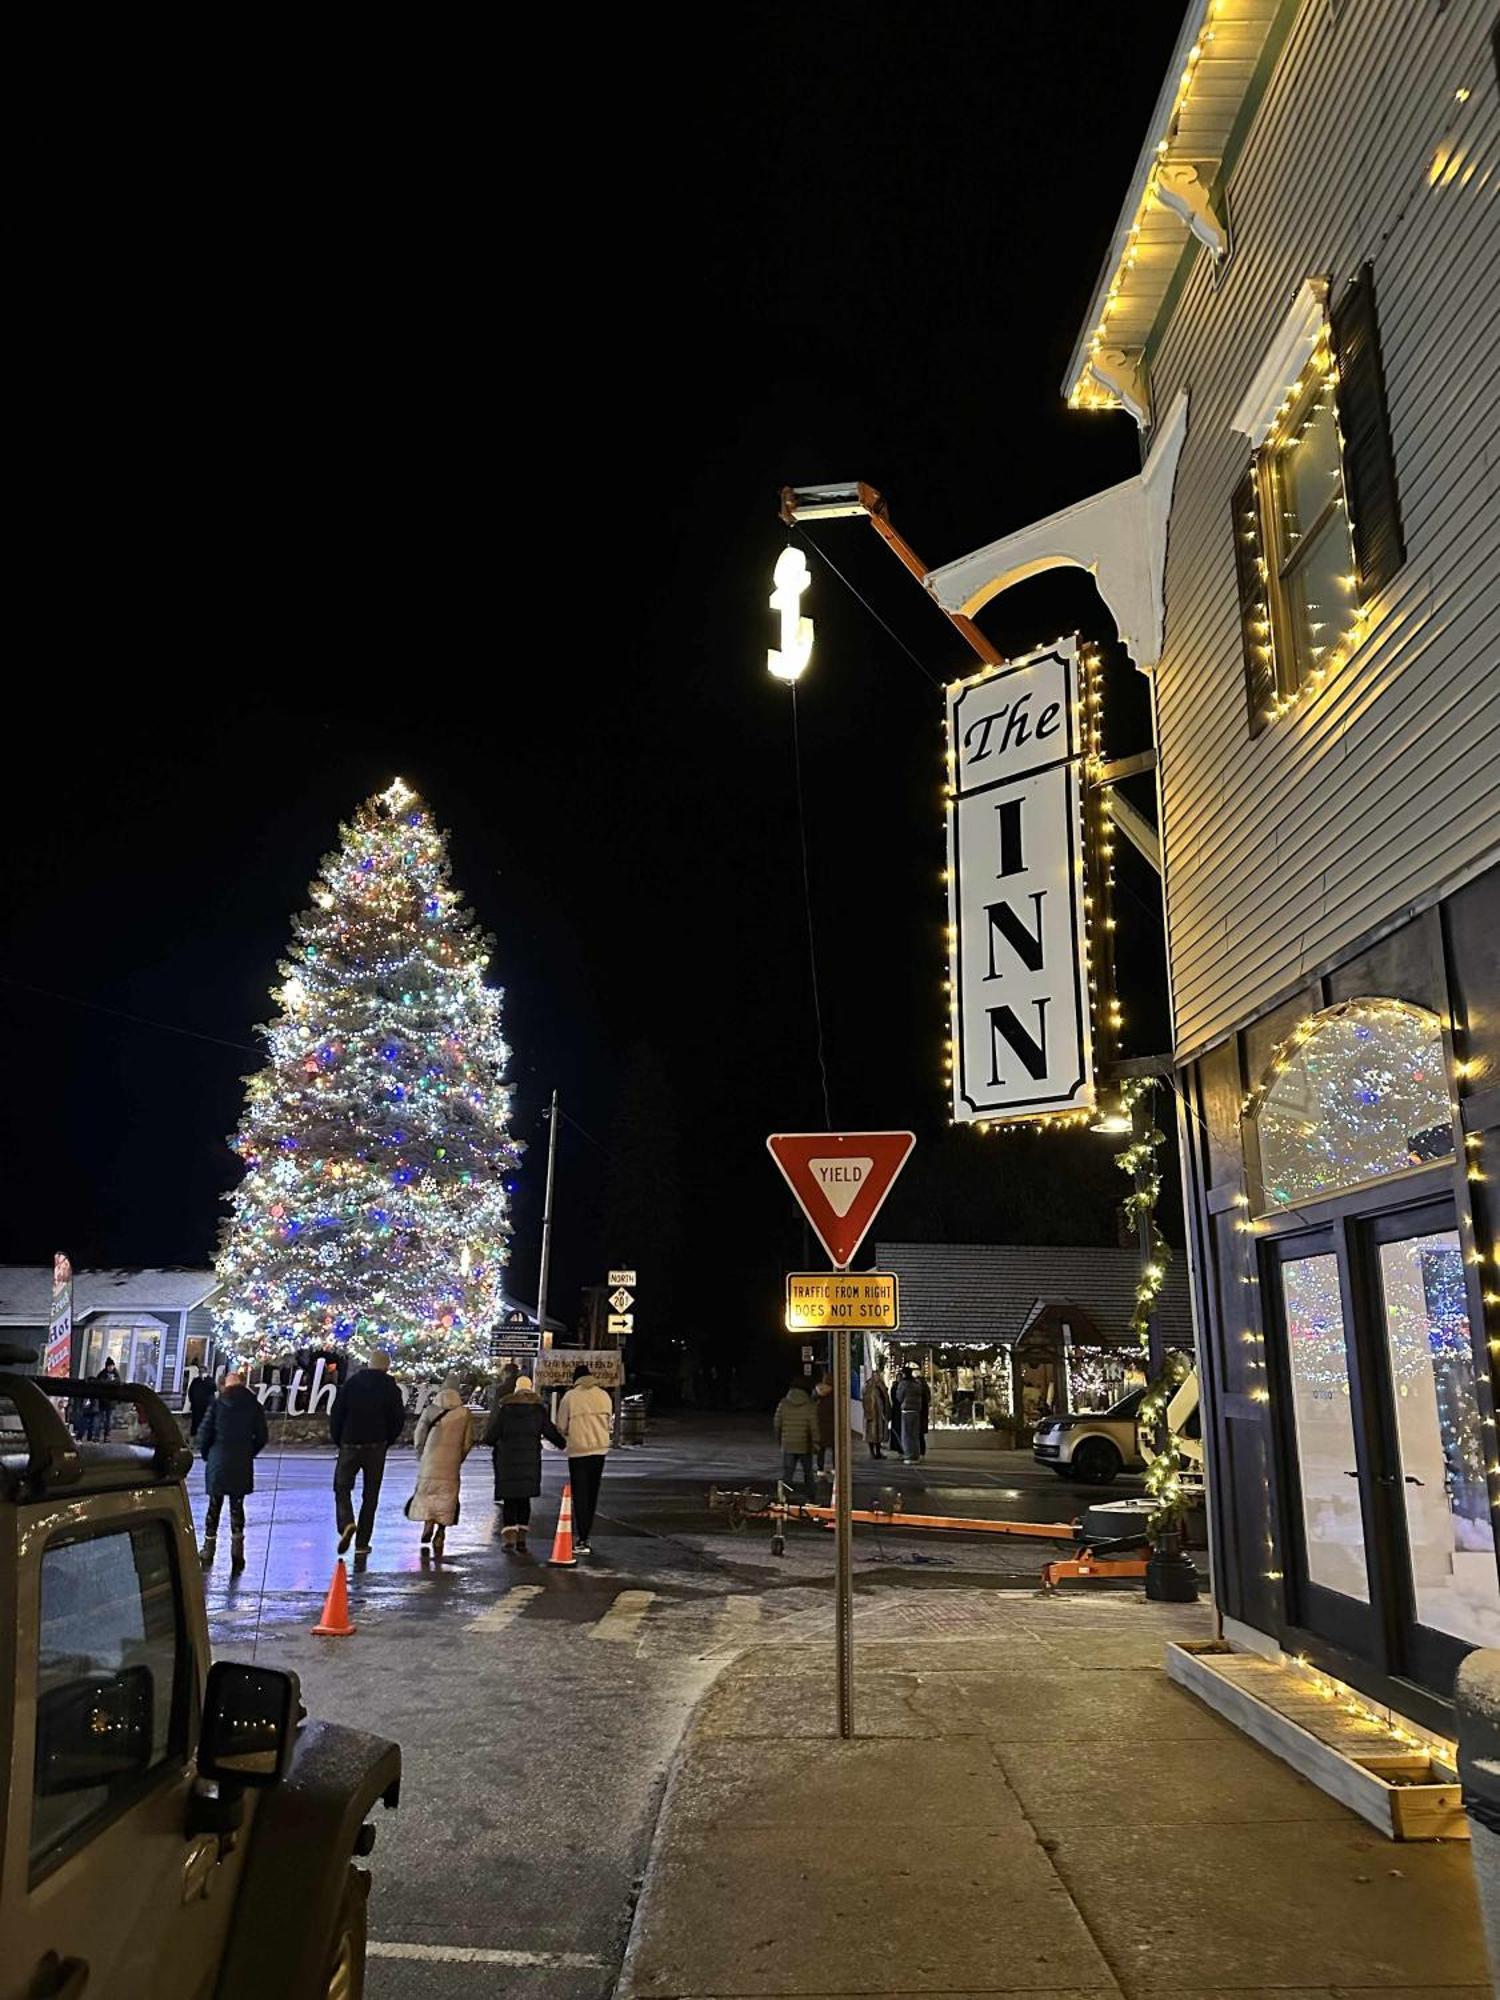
<point x="620" y="1299"/>
<point x="840" y="1180"/>
<point x="865" y="1301"/>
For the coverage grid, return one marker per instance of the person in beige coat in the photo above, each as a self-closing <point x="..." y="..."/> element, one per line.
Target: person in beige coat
<point x="444" y="1439"/>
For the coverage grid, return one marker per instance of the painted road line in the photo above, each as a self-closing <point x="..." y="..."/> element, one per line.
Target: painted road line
<point x="505" y="1608"/>
<point x="475" y="1954"/>
<point x="622" y="1621"/>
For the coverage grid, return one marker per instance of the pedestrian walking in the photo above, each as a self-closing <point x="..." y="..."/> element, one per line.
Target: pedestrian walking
<point x="200" y="1395"/>
<point x="507" y="1381"/>
<point x="444" y="1439"/>
<point x="876" y="1399"/>
<point x="796" y="1427"/>
<point x="232" y="1433"/>
<point x="823" y="1420"/>
<point x="366" y="1419"/>
<point x="104" y="1409"/>
<point x="585" y="1416"/>
<point x="514" y="1434"/>
<point x="83" y="1415"/>
<point x="911" y="1409"/>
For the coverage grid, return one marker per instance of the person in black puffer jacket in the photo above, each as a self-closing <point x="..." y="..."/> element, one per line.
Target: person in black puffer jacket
<point x="514" y="1434"/>
<point x="231" y="1434"/>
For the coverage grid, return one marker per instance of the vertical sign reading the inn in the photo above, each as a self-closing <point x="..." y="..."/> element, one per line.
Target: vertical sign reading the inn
<point x="1016" y="911"/>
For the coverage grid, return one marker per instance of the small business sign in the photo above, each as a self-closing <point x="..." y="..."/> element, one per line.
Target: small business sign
<point x="555" y="1367"/>
<point x="1017" y="926"/>
<point x="816" y="1301"/>
<point x="840" y="1180"/>
<point x="59" y="1355"/>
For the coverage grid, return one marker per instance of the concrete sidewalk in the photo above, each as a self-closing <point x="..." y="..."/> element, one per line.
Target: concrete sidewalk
<point x="1041" y="1813"/>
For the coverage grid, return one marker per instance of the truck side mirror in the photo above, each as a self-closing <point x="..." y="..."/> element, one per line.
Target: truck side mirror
<point x="249" y="1724"/>
<point x="93" y="1731"/>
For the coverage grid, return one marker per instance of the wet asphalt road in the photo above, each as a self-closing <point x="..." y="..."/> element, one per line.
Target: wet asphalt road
<point x="538" y="1709"/>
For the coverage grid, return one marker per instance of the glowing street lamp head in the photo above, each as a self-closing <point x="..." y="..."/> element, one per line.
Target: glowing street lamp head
<point x="788" y="661"/>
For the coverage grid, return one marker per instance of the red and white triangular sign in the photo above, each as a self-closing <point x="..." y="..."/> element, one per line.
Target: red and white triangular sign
<point x="840" y="1179"/>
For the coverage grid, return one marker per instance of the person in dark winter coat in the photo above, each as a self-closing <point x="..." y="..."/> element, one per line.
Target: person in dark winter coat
<point x="911" y="1399"/>
<point x="823" y="1418"/>
<point x="367" y="1417"/>
<point x="514" y="1434"/>
<point x="796" y="1426"/>
<point x="232" y="1432"/>
<point x="200" y="1395"/>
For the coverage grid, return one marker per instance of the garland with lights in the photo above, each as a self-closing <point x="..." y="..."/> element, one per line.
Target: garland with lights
<point x="1138" y="1160"/>
<point x="374" y="1210"/>
<point x="1164" y="1469"/>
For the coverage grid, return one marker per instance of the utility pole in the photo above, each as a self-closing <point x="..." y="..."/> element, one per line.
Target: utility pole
<point x="541" y="1283"/>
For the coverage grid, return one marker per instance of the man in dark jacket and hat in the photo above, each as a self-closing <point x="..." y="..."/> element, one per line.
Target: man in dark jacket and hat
<point x="199" y="1396"/>
<point x="232" y="1432"/>
<point x="366" y="1419"/>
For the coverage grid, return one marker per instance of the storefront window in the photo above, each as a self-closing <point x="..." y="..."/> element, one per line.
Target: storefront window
<point x="970" y="1383"/>
<point x="1359" y="1094"/>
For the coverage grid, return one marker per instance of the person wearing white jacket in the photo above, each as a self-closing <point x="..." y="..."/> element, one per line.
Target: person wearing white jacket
<point x="585" y="1416"/>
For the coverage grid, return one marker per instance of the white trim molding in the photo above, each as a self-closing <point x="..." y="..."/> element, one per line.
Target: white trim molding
<point x="1119" y="536"/>
<point x="1289" y="353"/>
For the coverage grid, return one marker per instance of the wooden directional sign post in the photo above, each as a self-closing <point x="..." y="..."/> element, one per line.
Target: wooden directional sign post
<point x="840" y="1180"/>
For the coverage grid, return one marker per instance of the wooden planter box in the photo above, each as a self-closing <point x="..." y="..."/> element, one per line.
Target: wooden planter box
<point x="1405" y="1792"/>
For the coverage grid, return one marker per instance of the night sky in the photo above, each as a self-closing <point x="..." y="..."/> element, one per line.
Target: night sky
<point x="459" y="460"/>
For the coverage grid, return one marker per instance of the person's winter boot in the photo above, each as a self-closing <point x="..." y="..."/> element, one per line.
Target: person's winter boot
<point x="521" y="1541"/>
<point x="237" y="1552"/>
<point x="206" y="1553"/>
<point x="437" y="1542"/>
<point x="509" y="1539"/>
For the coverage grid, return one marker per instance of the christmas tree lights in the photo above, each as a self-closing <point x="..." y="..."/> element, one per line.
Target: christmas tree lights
<point x="374" y="1211"/>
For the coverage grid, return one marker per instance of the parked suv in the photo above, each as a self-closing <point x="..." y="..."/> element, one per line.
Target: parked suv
<point x="168" y="1827"/>
<point x="1091" y="1448"/>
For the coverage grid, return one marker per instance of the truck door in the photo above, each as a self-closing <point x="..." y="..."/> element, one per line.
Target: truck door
<point x="103" y="1874"/>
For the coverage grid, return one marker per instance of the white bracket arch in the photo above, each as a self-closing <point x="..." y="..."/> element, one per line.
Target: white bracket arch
<point x="1119" y="536"/>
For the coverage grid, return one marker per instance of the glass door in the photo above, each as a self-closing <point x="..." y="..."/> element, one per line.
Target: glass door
<point x="1330" y="1569"/>
<point x="1446" y="1584"/>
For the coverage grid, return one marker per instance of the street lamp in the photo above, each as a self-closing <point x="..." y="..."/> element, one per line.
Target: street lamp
<point x="789" y="661"/>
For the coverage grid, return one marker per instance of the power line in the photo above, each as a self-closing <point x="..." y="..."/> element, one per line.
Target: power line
<point x="140" y="1020"/>
<point x="812" y="953"/>
<point x="823" y="556"/>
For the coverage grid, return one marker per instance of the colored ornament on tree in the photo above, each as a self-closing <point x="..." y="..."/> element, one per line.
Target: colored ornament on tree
<point x="374" y="1211"/>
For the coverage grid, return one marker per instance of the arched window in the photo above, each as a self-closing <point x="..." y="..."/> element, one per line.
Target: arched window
<point x="1358" y="1092"/>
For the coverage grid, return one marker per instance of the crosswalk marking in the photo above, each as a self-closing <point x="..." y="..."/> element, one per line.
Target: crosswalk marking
<point x="474" y="1954"/>
<point x="505" y="1608"/>
<point x="622" y="1621"/>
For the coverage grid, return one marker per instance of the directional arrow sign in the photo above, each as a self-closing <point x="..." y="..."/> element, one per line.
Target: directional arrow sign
<point x="840" y="1179"/>
<point x="620" y="1299"/>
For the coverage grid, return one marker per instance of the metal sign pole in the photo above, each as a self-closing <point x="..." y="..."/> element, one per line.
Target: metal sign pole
<point x="843" y="1479"/>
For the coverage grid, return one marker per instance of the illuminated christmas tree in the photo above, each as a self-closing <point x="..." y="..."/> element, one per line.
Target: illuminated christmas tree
<point x="373" y="1211"/>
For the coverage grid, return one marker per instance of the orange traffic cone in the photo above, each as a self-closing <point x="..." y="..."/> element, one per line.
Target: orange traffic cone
<point x="334" y="1624"/>
<point x="562" y="1556"/>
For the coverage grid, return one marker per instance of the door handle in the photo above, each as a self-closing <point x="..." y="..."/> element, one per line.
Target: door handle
<point x="60" y="1978"/>
<point x="1351" y="1475"/>
<point x="1412" y="1480"/>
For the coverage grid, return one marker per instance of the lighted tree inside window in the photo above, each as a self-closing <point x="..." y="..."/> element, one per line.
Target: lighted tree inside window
<point x="374" y="1207"/>
<point x="1358" y="1092"/>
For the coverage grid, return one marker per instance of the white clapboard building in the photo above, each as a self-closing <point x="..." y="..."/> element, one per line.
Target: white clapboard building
<point x="1298" y="310"/>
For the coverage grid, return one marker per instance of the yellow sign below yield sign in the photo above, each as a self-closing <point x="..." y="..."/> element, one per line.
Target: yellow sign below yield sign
<point x="865" y="1301"/>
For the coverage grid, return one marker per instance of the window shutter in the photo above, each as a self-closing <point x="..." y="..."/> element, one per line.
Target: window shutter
<point x="1255" y="605"/>
<point x="1369" y="464"/>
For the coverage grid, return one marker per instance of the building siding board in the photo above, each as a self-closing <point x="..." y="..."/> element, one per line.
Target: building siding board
<point x="1390" y="810"/>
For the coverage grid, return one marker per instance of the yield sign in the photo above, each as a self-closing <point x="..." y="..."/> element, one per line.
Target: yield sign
<point x="840" y="1179"/>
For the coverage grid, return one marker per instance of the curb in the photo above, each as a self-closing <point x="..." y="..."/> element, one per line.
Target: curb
<point x="624" y="1988"/>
